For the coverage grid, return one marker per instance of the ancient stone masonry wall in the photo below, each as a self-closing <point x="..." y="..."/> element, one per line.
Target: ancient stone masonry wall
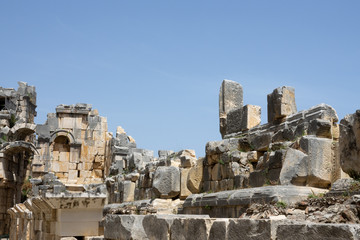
<point x="57" y="210"/>
<point x="74" y="144"/>
<point x="296" y="148"/>
<point x="17" y="112"/>
<point x="200" y="227"/>
<point x="80" y="170"/>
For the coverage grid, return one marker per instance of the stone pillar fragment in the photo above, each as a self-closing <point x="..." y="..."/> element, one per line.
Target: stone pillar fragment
<point x="281" y="103"/>
<point x="230" y="98"/>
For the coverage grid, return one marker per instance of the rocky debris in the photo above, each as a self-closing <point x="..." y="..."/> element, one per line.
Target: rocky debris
<point x="316" y="208"/>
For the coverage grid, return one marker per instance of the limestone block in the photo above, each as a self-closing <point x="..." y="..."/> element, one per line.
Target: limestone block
<point x="164" y="153"/>
<point x="252" y="156"/>
<point x="73" y="174"/>
<point x="257" y="178"/>
<point x="234" y="121"/>
<point x="320" y="128"/>
<point x="128" y="190"/>
<point x="219" y="147"/>
<point x="248" y="229"/>
<point x="261" y="141"/>
<point x="276" y="159"/>
<point x="124" y="227"/>
<point x="216" y="172"/>
<point x="156" y="228"/>
<point x="350" y="144"/>
<point x="320" y="162"/>
<point x="251" y="117"/>
<point x="85" y="174"/>
<point x="243" y="119"/>
<point x="195" y="177"/>
<point x="72" y="166"/>
<point x="281" y="103"/>
<point x="136" y="161"/>
<point x="190" y="229"/>
<point x="85" y="166"/>
<point x="306" y="231"/>
<point x="166" y="183"/>
<point x="230" y="98"/>
<point x="294" y="168"/>
<point x="184" y="191"/>
<point x="187" y="158"/>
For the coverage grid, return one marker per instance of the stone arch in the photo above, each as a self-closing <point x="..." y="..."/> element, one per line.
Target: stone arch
<point x="15" y="158"/>
<point x="64" y="133"/>
<point x="22" y="130"/>
<point x="16" y="146"/>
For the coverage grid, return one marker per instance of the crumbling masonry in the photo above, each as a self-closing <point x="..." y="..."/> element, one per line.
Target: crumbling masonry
<point x="72" y="179"/>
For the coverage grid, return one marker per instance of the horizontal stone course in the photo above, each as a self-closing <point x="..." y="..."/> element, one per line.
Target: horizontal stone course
<point x="234" y="203"/>
<point x="166" y="227"/>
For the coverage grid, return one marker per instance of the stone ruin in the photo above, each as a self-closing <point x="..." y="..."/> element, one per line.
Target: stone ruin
<point x="296" y="176"/>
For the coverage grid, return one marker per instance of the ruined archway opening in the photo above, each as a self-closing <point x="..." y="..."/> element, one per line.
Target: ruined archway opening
<point x="15" y="184"/>
<point x="24" y="134"/>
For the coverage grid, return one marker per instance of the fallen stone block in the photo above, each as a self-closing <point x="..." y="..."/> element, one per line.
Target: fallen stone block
<point x="166" y="183"/>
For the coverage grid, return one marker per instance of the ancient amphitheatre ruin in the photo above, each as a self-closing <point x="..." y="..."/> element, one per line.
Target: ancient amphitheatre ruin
<point x="295" y="177"/>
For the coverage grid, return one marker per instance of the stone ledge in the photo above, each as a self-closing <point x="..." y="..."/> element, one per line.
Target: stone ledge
<point x="234" y="203"/>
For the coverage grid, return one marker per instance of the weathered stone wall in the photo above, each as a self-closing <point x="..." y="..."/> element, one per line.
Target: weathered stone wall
<point x="17" y="112"/>
<point x="199" y="227"/>
<point x="299" y="148"/>
<point x="74" y="144"/>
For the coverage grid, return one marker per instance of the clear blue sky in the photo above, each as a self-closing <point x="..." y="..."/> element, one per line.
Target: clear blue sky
<point x="155" y="67"/>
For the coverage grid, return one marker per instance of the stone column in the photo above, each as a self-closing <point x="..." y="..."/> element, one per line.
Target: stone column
<point x="230" y="98"/>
